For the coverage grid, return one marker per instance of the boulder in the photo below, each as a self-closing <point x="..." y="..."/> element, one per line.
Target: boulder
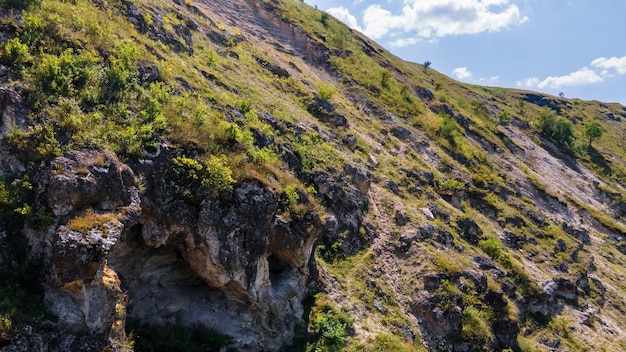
<point x="88" y="178"/>
<point x="470" y="231"/>
<point x="325" y="112"/>
<point x="273" y="68"/>
<point x="361" y="181"/>
<point x="580" y="234"/>
<point x="401" y="133"/>
<point x="401" y="218"/>
<point x="438" y="322"/>
<point x="347" y="205"/>
<point x="443" y="109"/>
<point x="351" y="141"/>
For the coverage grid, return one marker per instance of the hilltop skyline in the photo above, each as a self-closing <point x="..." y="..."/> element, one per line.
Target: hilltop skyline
<point x="572" y="47"/>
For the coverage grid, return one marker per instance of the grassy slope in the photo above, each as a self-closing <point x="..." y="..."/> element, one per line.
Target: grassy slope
<point x="211" y="117"/>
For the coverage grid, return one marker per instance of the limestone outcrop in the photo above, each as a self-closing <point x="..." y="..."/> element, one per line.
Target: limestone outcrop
<point x="235" y="262"/>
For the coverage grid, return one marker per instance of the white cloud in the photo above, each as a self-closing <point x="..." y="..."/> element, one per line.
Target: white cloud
<point x="582" y="77"/>
<point x="529" y="82"/>
<point x="616" y="63"/>
<point x="439" y="18"/>
<point x="378" y="21"/>
<point x="402" y="42"/>
<point x="342" y="14"/>
<point x="462" y="73"/>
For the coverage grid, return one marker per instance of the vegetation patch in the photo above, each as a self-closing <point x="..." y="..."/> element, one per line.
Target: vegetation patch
<point x="91" y="221"/>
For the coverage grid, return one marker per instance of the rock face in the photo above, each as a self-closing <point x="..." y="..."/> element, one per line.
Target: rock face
<point x="88" y="178"/>
<point x="232" y="263"/>
<point x="94" y="200"/>
<point x="239" y="267"/>
<point x="347" y="204"/>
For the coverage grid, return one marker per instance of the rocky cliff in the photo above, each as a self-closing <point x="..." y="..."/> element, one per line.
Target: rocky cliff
<point x="253" y="175"/>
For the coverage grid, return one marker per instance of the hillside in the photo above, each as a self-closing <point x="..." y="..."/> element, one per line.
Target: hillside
<point x="252" y="175"/>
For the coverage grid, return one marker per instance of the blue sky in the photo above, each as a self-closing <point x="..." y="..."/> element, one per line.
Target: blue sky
<point x="577" y="47"/>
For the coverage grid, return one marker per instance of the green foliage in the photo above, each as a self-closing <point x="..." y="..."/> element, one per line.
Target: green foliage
<point x="122" y="68"/>
<point x="325" y="91"/>
<point x="329" y="328"/>
<point x="451" y="185"/>
<point x="15" y="52"/>
<point x="176" y="338"/>
<point x="37" y="143"/>
<point x="330" y="253"/>
<point x="446" y="264"/>
<point x="475" y="326"/>
<point x="558" y="128"/>
<point x="592" y="131"/>
<point x="291" y="192"/>
<point x="21" y="302"/>
<point x="447" y="128"/>
<point x="15" y="194"/>
<point x="16" y="199"/>
<point x="504" y="118"/>
<point x="66" y="74"/>
<point x="244" y="106"/>
<point x="491" y="246"/>
<point x="313" y="152"/>
<point x="563" y="131"/>
<point x="479" y="108"/>
<point x="385" y="79"/>
<point x="262" y="156"/>
<point x="195" y="179"/>
<point x="387" y="342"/>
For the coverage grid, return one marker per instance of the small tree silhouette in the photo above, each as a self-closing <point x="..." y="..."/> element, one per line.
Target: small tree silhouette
<point x="426" y="65"/>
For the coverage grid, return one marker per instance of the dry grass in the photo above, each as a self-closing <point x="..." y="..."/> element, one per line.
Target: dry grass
<point x="90" y="221"/>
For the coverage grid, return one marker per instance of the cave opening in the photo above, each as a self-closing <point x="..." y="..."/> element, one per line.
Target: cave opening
<point x="278" y="268"/>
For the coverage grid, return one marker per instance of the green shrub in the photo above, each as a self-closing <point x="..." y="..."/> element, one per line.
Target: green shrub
<point x="195" y="179"/>
<point x="563" y="131"/>
<point x="557" y="128"/>
<point x="218" y="175"/>
<point x="262" y="156"/>
<point x="491" y="246"/>
<point x="15" y="195"/>
<point x="325" y="91"/>
<point x="451" y="185"/>
<point x="446" y="264"/>
<point x="504" y="118"/>
<point x="122" y="68"/>
<point x="329" y="328"/>
<point x="447" y="128"/>
<point x="291" y="192"/>
<point x="385" y="79"/>
<point x="37" y="143"/>
<point x="479" y="108"/>
<point x="475" y="326"/>
<point x="66" y="74"/>
<point x="387" y="342"/>
<point x="15" y="52"/>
